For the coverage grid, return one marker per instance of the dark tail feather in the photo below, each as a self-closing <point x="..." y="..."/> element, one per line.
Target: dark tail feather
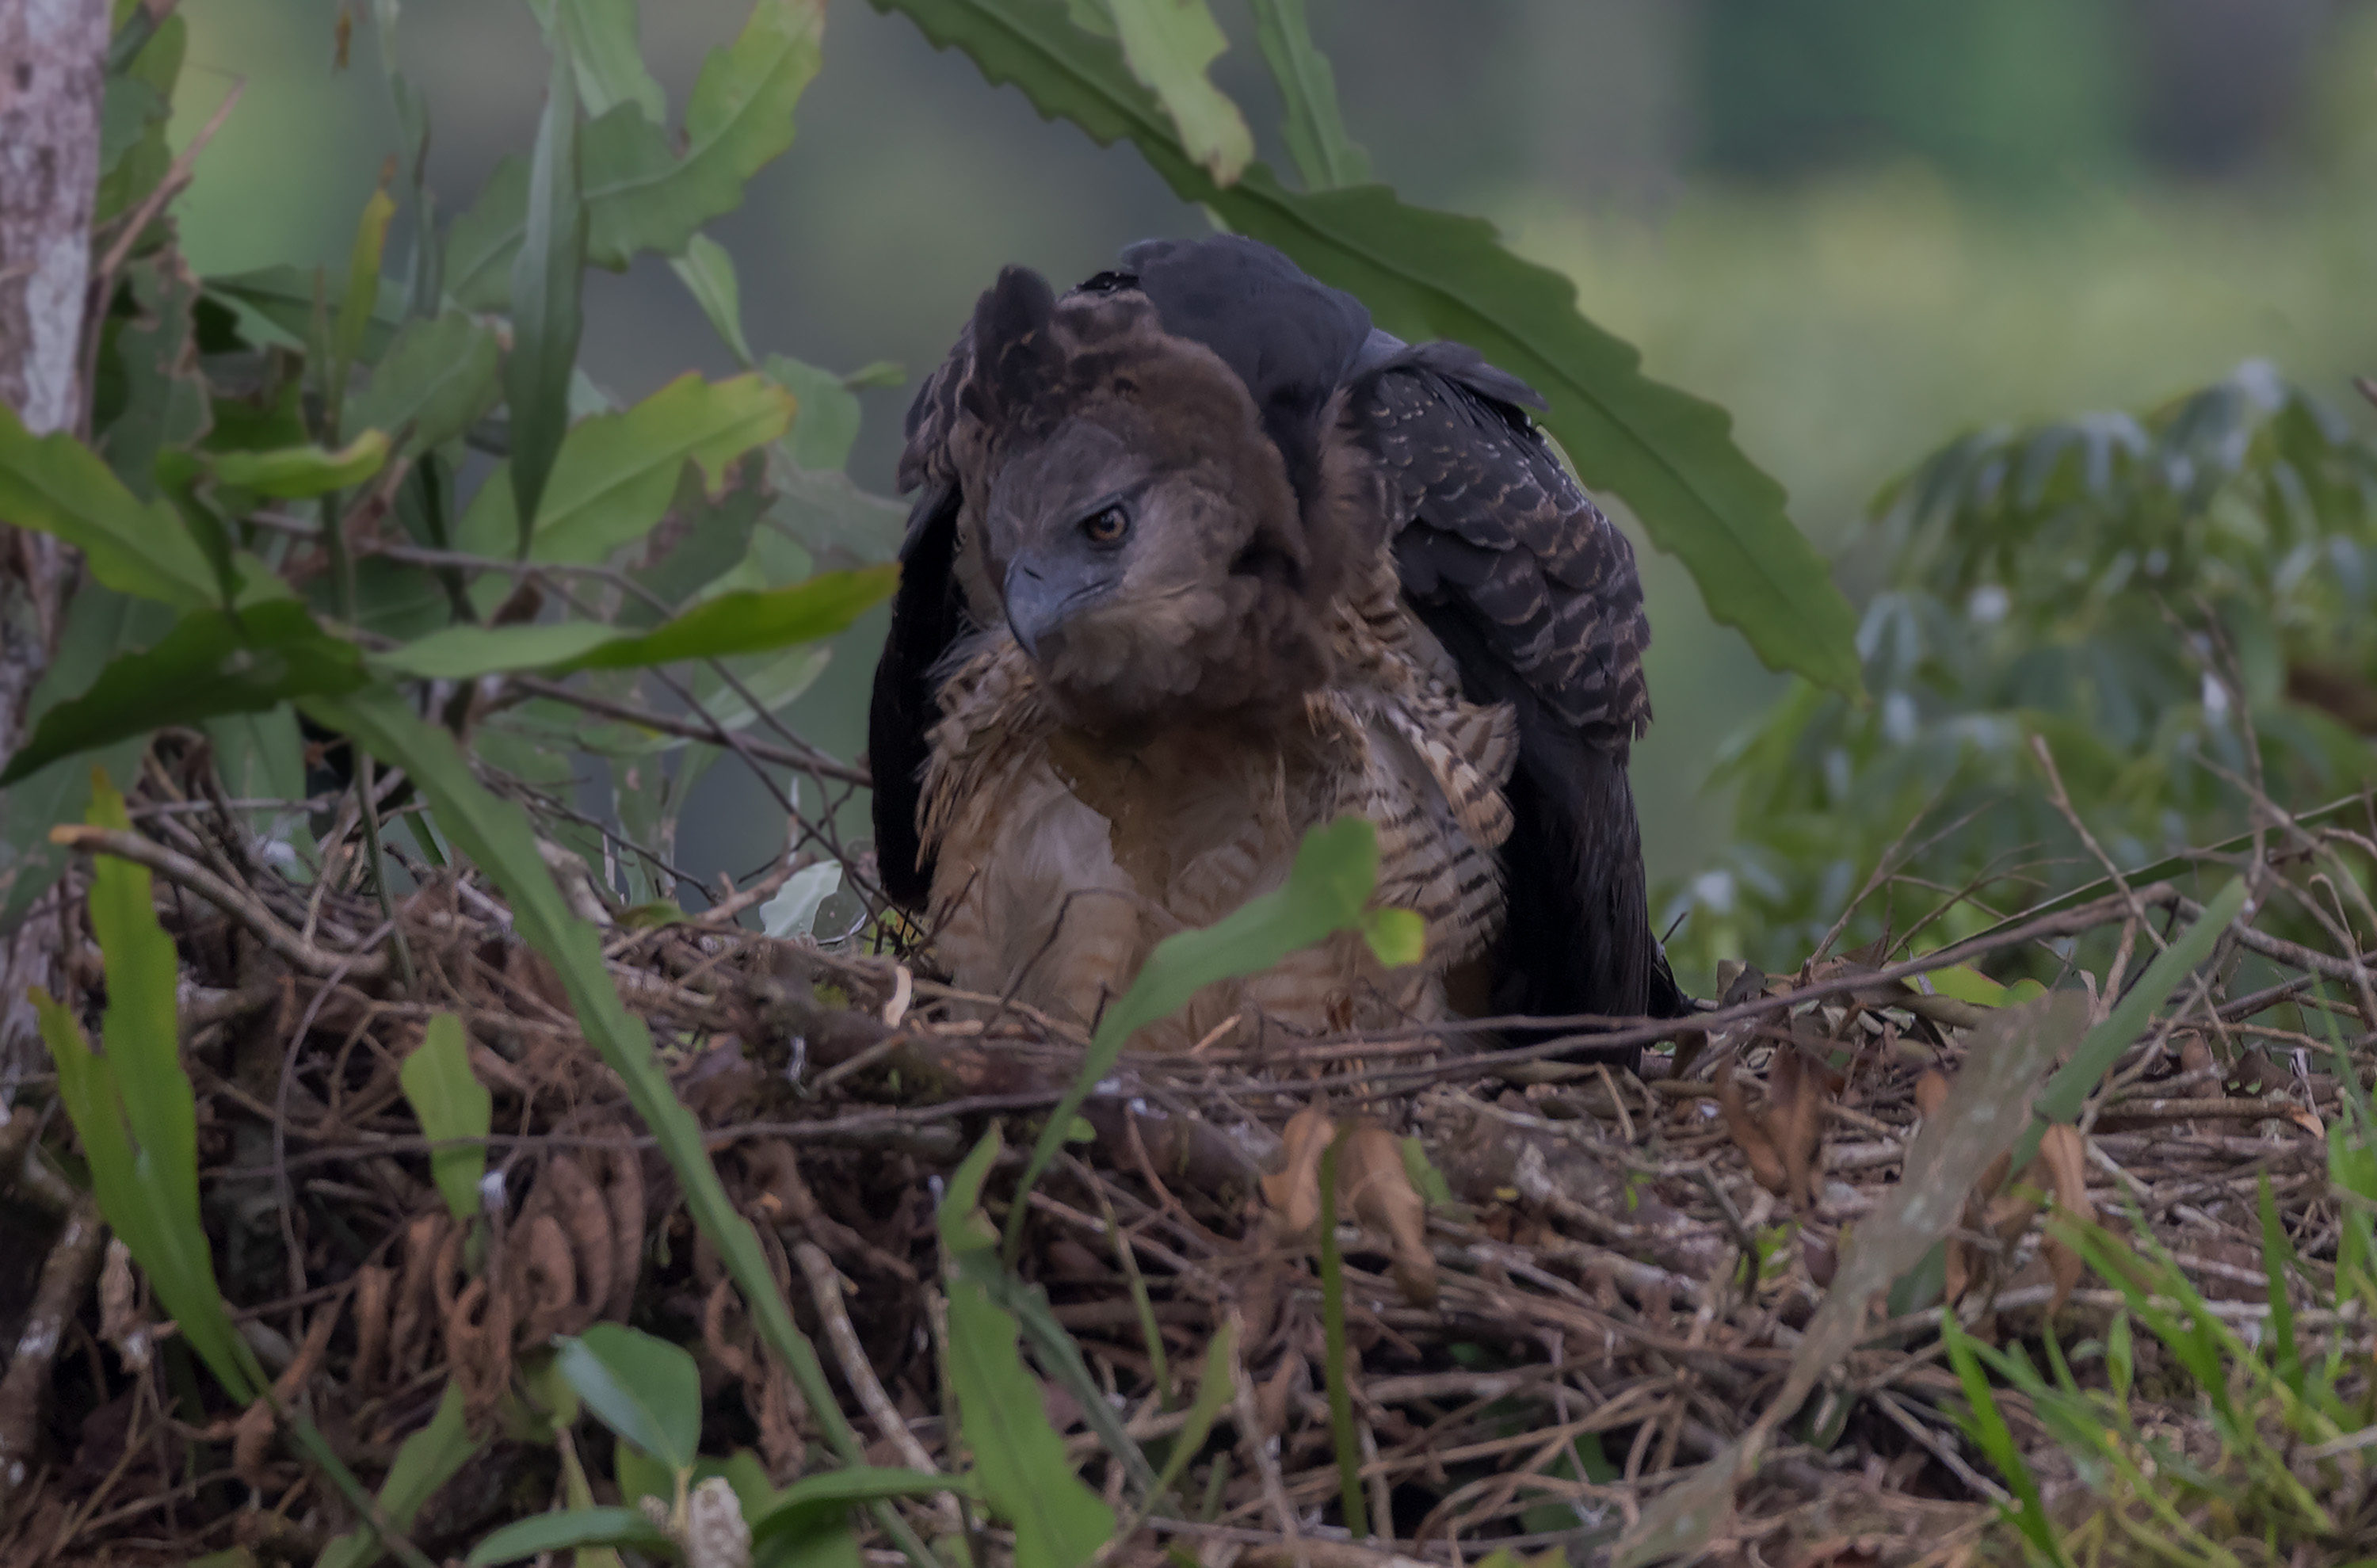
<point x="1578" y="937"/>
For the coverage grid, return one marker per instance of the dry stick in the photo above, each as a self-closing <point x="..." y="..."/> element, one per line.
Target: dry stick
<point x="237" y="903"/>
<point x="65" y="1279"/>
<point x="2062" y="804"/>
<point x="825" y="1290"/>
<point x="2065" y="922"/>
<point x="1250" y="1431"/>
<point x="713" y="733"/>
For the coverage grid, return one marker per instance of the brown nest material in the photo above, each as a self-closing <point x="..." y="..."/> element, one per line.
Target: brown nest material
<point x="1608" y="1290"/>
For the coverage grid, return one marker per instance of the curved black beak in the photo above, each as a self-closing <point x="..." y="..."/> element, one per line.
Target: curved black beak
<point x="1041" y="594"/>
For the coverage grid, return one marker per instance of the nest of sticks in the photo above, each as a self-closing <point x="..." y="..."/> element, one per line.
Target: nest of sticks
<point x="1592" y="1283"/>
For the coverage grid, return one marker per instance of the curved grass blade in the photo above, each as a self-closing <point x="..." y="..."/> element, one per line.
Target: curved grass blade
<point x="546" y="315"/>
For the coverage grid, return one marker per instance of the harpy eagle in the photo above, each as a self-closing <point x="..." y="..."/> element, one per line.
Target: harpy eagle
<point x="1200" y="560"/>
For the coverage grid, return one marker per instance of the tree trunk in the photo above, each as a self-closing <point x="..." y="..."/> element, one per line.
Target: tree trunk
<point x="53" y="79"/>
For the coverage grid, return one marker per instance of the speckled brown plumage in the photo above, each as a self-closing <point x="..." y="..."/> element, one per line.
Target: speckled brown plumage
<point x="1346" y="575"/>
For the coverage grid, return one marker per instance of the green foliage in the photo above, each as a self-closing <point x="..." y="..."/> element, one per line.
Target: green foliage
<point x="136" y="1113"/>
<point x="2067" y="1091"/>
<point x="423" y="1463"/>
<point x="2128" y="592"/>
<point x="617" y="473"/>
<point x="453" y="1107"/>
<point x="1169" y="44"/>
<point x="541" y="1533"/>
<point x="1325" y="156"/>
<point x="1669" y="455"/>
<point x="646" y="1390"/>
<point x="720" y="627"/>
<point x="1018" y="1457"/>
<point x="547" y="313"/>
<point x="212" y="663"/>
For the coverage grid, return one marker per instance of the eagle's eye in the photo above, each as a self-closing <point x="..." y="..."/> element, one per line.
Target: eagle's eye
<point x="1106" y="526"/>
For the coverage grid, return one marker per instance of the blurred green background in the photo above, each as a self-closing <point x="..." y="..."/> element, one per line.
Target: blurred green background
<point x="1861" y="225"/>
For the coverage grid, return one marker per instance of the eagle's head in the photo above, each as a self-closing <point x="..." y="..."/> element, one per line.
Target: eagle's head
<point x="1137" y="526"/>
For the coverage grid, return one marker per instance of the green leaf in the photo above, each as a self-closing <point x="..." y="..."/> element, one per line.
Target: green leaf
<point x="753" y="622"/>
<point x="156" y="398"/>
<point x="284" y="297"/>
<point x="1328" y="891"/>
<point x="1426" y="274"/>
<point x="1325" y="156"/>
<point x="826" y="424"/>
<point x="646" y="1390"/>
<point x="547" y="277"/>
<point x="1168" y="45"/>
<point x="426" y="1461"/>
<point x="825" y="1499"/>
<point x="450" y="1103"/>
<point x="134" y="1110"/>
<point x="134" y="154"/>
<point x="99" y="623"/>
<point x="55" y="485"/>
<point x="617" y="472"/>
<point x="643" y="196"/>
<point x="1019" y="1460"/>
<point x="482" y="242"/>
<point x="497" y="835"/>
<point x="708" y="274"/>
<point x="439" y="374"/>
<point x="728" y="624"/>
<point x="1397" y="937"/>
<point x="1987" y="1426"/>
<point x="296" y="472"/>
<point x="608" y="54"/>
<point x="573" y="1527"/>
<point x="1214" y="1389"/>
<point x="211" y="662"/>
<point x="362" y="298"/>
<point x="640" y="194"/>
<point x="2068" y="1091"/>
<point x="466" y="652"/>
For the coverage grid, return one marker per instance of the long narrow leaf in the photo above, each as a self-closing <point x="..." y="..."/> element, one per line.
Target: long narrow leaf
<point x="2068" y="1090"/>
<point x="453" y="1107"/>
<point x="59" y="486"/>
<point x="1324" y="154"/>
<point x="728" y="624"/>
<point x="212" y="664"/>
<point x="2028" y="1512"/>
<point x="426" y="1461"/>
<point x="546" y="317"/>
<point x="1427" y="274"/>
<point x="136" y="1112"/>
<point x="1021" y="1461"/>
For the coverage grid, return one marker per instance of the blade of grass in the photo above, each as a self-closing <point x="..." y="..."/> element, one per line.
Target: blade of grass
<point x="547" y="275"/>
<point x="2067" y="1092"/>
<point x="2027" y="1512"/>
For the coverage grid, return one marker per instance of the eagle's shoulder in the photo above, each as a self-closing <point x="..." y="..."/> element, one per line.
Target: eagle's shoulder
<point x="1491" y="529"/>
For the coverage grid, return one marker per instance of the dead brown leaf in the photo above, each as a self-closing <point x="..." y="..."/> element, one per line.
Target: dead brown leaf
<point x="1373" y="1186"/>
<point x="1749" y="1133"/>
<point x="2065" y="1157"/>
<point x="1294" y="1191"/>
